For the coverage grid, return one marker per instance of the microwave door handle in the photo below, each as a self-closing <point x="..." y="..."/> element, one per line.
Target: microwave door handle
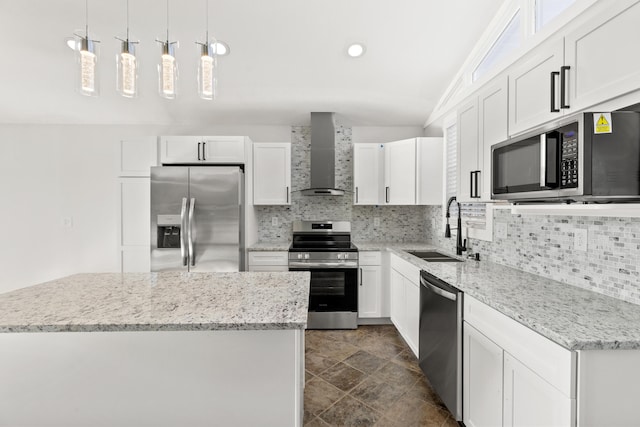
<point x="543" y="160"/>
<point x="554" y="74"/>
<point x="183" y="230"/>
<point x="192" y="255"/>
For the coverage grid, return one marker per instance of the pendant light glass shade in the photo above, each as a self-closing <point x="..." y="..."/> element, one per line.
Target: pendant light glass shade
<point x="127" y="70"/>
<point x="207" y="72"/>
<point x="168" y="71"/>
<point x="87" y="66"/>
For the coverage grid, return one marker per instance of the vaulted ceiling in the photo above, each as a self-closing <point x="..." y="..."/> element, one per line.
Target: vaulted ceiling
<point x="288" y="57"/>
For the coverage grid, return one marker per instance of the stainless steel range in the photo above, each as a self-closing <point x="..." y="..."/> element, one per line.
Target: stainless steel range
<point x="324" y="248"/>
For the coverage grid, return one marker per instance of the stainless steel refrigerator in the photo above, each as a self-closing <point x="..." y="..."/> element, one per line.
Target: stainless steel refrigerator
<point x="197" y="218"/>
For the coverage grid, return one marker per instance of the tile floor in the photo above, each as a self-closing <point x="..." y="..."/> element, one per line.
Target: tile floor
<point x="367" y="377"/>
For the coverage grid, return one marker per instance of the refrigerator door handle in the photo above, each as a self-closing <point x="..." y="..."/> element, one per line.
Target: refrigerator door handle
<point x="183" y="226"/>
<point x="192" y="256"/>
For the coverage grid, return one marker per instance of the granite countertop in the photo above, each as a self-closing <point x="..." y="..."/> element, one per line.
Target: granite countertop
<point x="270" y="246"/>
<point x="575" y="318"/>
<point x="171" y="301"/>
<point x="379" y="246"/>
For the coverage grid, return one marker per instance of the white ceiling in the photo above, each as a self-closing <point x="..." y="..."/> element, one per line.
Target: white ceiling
<point x="287" y="59"/>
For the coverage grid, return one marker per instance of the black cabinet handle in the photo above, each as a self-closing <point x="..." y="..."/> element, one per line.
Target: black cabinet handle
<point x="471" y="173"/>
<point x="554" y="74"/>
<point x="198" y="151"/>
<point x="287" y="194"/>
<point x="563" y="86"/>
<point x="356" y="194"/>
<point x="386" y="194"/>
<point x="477" y="184"/>
<point x="204" y="146"/>
<point x="360" y="276"/>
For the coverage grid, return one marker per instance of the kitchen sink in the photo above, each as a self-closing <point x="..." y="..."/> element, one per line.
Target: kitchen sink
<point x="434" y="256"/>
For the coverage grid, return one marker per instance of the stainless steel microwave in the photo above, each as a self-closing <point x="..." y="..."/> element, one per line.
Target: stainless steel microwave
<point x="594" y="158"/>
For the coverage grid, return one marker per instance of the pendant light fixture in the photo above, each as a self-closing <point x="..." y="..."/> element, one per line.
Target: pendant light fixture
<point x="127" y="66"/>
<point x="167" y="68"/>
<point x="207" y="67"/>
<point x="87" y="60"/>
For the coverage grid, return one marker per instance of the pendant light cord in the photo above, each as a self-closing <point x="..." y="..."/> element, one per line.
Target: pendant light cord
<point x="127" y="21"/>
<point x="207" y="20"/>
<point x="167" y="21"/>
<point x="86" y="17"/>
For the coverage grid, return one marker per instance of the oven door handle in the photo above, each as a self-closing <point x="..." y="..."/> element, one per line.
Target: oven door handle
<point x="310" y="265"/>
<point x="438" y="290"/>
<point x="543" y="160"/>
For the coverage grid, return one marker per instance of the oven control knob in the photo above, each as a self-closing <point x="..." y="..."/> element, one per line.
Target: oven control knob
<point x="299" y="256"/>
<point x="306" y="256"/>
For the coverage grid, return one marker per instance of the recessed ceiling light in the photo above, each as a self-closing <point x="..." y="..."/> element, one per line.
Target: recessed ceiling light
<point x="221" y="48"/>
<point x="356" y="50"/>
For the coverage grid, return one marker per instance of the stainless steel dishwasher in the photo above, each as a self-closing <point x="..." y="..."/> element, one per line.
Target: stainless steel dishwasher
<point x="440" y="349"/>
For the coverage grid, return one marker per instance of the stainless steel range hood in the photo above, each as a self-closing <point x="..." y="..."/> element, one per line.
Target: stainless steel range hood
<point x="323" y="156"/>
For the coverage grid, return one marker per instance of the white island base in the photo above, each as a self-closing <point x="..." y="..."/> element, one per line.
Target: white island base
<point x="152" y="378"/>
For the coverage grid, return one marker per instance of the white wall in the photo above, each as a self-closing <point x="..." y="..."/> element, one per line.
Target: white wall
<point x="50" y="172"/>
<point x="381" y="134"/>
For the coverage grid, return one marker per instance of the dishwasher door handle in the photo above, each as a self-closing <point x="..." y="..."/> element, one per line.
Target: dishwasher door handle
<point x="438" y="290"/>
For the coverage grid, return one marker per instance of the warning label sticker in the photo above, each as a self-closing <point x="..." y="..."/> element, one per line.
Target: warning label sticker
<point x="602" y="123"/>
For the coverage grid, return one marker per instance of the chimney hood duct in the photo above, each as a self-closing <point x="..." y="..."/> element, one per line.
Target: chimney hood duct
<point x="323" y="156"/>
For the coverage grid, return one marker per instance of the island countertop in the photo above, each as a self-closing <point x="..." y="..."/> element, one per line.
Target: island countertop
<point x="171" y="301"/>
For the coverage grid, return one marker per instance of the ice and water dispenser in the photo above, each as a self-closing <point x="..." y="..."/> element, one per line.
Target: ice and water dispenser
<point x="169" y="231"/>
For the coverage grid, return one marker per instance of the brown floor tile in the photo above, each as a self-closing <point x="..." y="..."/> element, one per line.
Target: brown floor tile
<point x="378" y="330"/>
<point x="408" y="360"/>
<point x="319" y="396"/>
<point x="394" y="372"/>
<point x="450" y="422"/>
<point x="349" y="412"/>
<point x="343" y="376"/>
<point x="316" y="362"/>
<point x="333" y="349"/>
<point x="378" y="393"/>
<point x="410" y="411"/>
<point x="308" y="376"/>
<point x="422" y="390"/>
<point x="384" y="350"/>
<point x="365" y="362"/>
<point x="316" y="422"/>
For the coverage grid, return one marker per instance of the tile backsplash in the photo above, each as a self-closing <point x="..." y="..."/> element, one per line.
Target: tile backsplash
<point x="544" y="245"/>
<point x="397" y="223"/>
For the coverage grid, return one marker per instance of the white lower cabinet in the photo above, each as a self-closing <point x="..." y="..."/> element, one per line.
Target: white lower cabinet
<point x="370" y="285"/>
<point x="482" y="385"/>
<point x="268" y="261"/>
<point x="529" y="400"/>
<point x="405" y="300"/>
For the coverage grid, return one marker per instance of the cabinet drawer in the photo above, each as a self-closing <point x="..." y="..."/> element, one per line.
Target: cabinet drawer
<point x="554" y="363"/>
<point x="405" y="268"/>
<point x="280" y="258"/>
<point x="370" y="258"/>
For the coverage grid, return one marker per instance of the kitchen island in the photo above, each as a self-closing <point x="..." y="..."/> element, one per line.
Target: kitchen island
<point x="155" y="349"/>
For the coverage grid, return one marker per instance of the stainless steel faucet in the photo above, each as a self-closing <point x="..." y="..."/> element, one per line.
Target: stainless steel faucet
<point x="460" y="246"/>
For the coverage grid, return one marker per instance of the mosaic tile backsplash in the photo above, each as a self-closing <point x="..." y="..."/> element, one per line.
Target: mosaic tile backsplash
<point x="397" y="223"/>
<point x="543" y="245"/>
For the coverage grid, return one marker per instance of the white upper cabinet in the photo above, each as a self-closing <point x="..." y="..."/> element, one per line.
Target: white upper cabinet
<point x="601" y="66"/>
<point x="468" y="150"/>
<point x="534" y="88"/>
<point x="368" y="173"/>
<point x="400" y="172"/>
<point x="272" y="173"/>
<point x="202" y="149"/>
<point x="429" y="167"/>
<point x="137" y="156"/>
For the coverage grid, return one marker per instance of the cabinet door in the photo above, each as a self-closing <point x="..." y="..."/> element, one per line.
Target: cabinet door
<point x="135" y="225"/>
<point x="137" y="156"/>
<point x="531" y="401"/>
<point x="482" y="379"/>
<point x="180" y="149"/>
<point x="429" y="164"/>
<point x="601" y="67"/>
<point x="412" y="314"/>
<point x="400" y="172"/>
<point x="369" y="291"/>
<point x="467" y="148"/>
<point x="223" y="149"/>
<point x="397" y="300"/>
<point x="368" y="173"/>
<point x="530" y="88"/>
<point x="493" y="119"/>
<point x="272" y="174"/>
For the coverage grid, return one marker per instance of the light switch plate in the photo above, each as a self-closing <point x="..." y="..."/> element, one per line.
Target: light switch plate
<point x="580" y="239"/>
<point x="501" y="230"/>
<point x="274" y="221"/>
<point x="67" y="222"/>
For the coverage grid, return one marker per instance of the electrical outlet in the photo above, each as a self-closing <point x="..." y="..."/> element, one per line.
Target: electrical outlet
<point x="580" y="238"/>
<point x="67" y="222"/>
<point x="501" y="230"/>
<point x="376" y="221"/>
<point x="274" y="221"/>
